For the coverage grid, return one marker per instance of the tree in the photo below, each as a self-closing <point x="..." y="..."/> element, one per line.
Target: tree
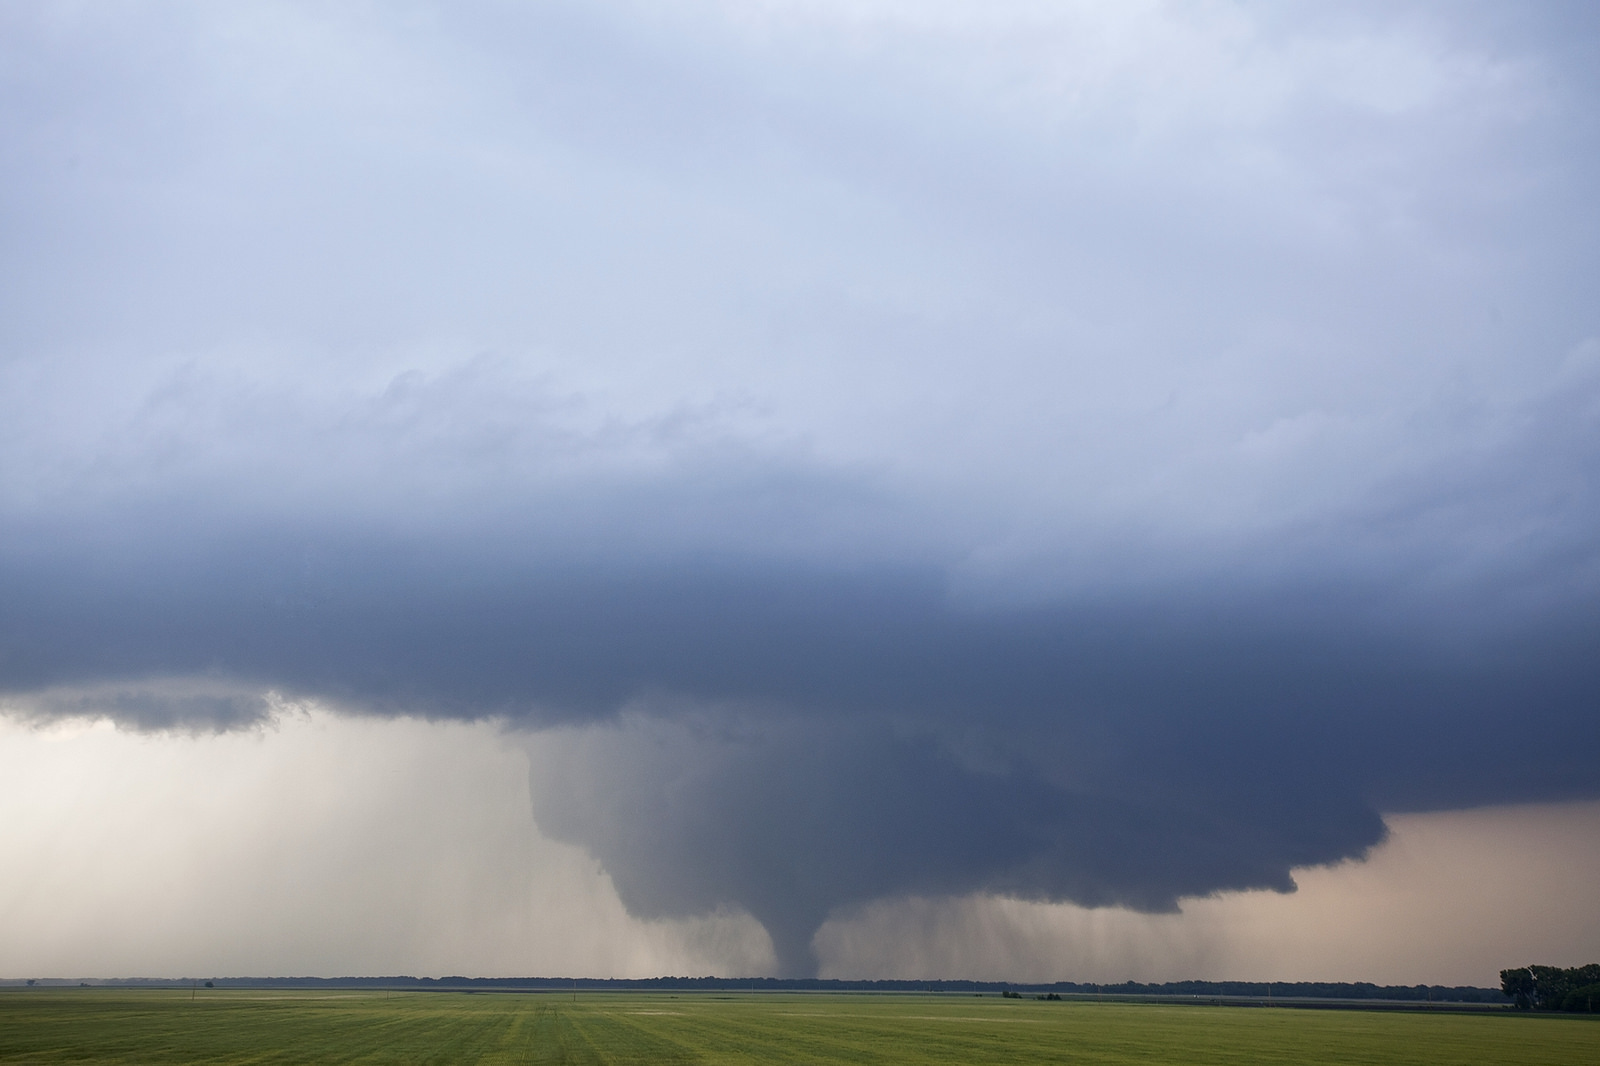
<point x="1582" y="1000"/>
<point x="1550" y="987"/>
<point x="1518" y="987"/>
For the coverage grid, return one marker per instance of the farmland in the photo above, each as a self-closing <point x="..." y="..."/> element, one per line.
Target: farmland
<point x="84" y="1025"/>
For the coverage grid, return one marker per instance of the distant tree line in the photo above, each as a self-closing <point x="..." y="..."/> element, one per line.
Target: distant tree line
<point x="1552" y="988"/>
<point x="1356" y="990"/>
<point x="1295" y="990"/>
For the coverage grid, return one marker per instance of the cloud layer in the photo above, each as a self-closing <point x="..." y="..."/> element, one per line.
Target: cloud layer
<point x="1089" y="453"/>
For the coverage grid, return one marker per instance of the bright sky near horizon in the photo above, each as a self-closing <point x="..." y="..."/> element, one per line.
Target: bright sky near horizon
<point x="800" y="486"/>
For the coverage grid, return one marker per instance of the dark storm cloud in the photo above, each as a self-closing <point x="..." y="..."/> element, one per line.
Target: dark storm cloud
<point x="1092" y="454"/>
<point x="865" y="734"/>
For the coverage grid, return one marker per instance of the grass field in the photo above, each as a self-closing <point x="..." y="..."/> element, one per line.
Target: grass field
<point x="235" y="1026"/>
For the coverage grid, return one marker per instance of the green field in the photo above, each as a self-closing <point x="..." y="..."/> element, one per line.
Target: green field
<point x="237" y="1026"/>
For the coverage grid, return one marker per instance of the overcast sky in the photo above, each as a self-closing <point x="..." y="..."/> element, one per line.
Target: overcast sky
<point x="873" y="465"/>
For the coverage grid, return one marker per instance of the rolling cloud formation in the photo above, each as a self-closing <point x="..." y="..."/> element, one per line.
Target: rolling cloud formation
<point x="1089" y="452"/>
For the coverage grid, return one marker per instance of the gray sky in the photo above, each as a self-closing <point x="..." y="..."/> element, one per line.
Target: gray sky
<point x="1092" y="454"/>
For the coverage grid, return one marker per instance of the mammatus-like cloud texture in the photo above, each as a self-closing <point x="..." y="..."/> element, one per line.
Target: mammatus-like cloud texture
<point x="1077" y="452"/>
